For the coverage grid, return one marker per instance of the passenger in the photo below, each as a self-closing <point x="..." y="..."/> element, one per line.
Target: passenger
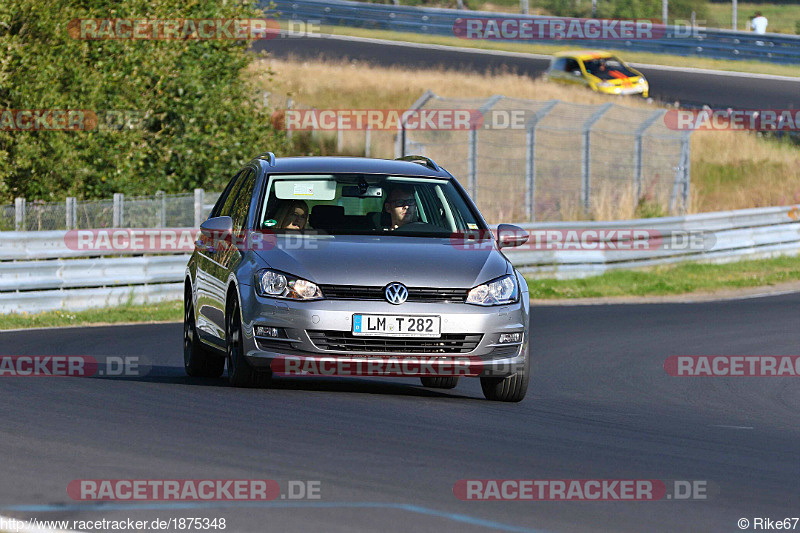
<point x="401" y="206"/>
<point x="292" y="214"/>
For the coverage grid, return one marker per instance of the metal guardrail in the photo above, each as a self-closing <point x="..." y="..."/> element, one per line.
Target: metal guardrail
<point x="30" y="282"/>
<point x="677" y="40"/>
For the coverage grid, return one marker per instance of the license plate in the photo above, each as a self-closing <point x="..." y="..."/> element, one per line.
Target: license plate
<point x="397" y="325"/>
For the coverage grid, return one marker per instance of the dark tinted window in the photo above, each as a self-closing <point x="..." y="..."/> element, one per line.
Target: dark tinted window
<point x="217" y="211"/>
<point x="571" y="64"/>
<point x="242" y="203"/>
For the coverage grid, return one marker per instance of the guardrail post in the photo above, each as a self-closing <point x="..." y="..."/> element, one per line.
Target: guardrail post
<point x="19" y="214"/>
<point x="367" y="141"/>
<point x="199" y="201"/>
<point x="637" y="153"/>
<point x="161" y="198"/>
<point x="72" y="213"/>
<point x="523" y="6"/>
<point x="402" y="145"/>
<point x="586" y="175"/>
<point x="118" y="218"/>
<point x="530" y="158"/>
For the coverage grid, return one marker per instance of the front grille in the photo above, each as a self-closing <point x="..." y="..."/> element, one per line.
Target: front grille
<point x="415" y="294"/>
<point x="344" y="341"/>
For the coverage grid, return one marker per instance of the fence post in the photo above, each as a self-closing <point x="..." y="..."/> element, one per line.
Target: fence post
<point x="72" y="213"/>
<point x="523" y="6"/>
<point x="199" y="201"/>
<point x="288" y="131"/>
<point x="637" y="153"/>
<point x="687" y="168"/>
<point x="586" y="175"/>
<point x="402" y="138"/>
<point x="472" y="157"/>
<point x="530" y="158"/>
<point x="339" y="135"/>
<point x="367" y="141"/>
<point x="19" y="214"/>
<point x="161" y="198"/>
<point x="119" y="215"/>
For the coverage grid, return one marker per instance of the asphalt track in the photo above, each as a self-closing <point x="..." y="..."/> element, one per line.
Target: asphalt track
<point x="693" y="88"/>
<point x="388" y="452"/>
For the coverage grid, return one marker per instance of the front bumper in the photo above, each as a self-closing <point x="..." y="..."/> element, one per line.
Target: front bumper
<point x="624" y="91"/>
<point x="305" y="323"/>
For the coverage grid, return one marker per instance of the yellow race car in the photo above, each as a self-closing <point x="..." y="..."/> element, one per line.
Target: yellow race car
<point x="602" y="72"/>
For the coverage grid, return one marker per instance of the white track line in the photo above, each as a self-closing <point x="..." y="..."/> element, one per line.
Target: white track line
<point x="464" y="49"/>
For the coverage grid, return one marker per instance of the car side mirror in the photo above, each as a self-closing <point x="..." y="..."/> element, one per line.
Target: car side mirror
<point x="576" y="72"/>
<point x="509" y="236"/>
<point x="217" y="228"/>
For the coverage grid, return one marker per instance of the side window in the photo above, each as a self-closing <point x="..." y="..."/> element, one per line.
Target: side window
<point x="227" y="207"/>
<point x="559" y="64"/>
<point x="571" y="65"/>
<point x="217" y="210"/>
<point x="242" y="203"/>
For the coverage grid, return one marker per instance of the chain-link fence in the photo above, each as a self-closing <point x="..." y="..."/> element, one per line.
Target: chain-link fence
<point x="156" y="211"/>
<point x="551" y="160"/>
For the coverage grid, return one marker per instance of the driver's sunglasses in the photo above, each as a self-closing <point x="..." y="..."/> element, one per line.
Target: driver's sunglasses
<point x="410" y="202"/>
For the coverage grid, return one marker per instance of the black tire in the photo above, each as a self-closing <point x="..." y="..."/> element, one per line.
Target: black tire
<point x="240" y="372"/>
<point x="448" y="382"/>
<point x="198" y="361"/>
<point x="509" y="389"/>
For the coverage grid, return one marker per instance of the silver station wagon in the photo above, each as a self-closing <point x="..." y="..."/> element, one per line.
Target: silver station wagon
<point x="355" y="266"/>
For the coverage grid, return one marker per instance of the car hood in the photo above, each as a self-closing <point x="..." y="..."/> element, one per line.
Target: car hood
<point x="379" y="260"/>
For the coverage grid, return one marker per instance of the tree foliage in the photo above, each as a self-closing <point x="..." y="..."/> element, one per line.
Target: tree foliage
<point x="191" y="115"/>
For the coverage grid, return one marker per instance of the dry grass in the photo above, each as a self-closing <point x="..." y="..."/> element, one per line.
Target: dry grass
<point x="737" y="170"/>
<point x="730" y="170"/>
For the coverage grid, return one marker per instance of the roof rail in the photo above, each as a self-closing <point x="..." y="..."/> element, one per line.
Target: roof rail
<point x="269" y="156"/>
<point x="428" y="162"/>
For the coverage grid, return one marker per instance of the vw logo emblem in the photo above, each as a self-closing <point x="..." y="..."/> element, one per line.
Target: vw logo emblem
<point x="396" y="293"/>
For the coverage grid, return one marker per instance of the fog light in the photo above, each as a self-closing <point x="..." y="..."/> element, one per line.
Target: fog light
<point x="262" y="331"/>
<point x="505" y="338"/>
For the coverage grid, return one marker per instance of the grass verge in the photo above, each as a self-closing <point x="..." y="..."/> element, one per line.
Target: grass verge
<point x="157" y="312"/>
<point x="671" y="280"/>
<point x="755" y="67"/>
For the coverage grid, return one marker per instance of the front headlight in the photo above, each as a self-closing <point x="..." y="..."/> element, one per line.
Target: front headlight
<point x="642" y="81"/>
<point x="497" y="292"/>
<point x="279" y="285"/>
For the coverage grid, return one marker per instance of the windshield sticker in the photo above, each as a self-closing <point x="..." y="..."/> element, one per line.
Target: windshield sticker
<point x="303" y="190"/>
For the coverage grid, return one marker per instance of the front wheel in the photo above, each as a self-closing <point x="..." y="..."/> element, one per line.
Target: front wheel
<point x="509" y="389"/>
<point x="198" y="361"/>
<point x="240" y="373"/>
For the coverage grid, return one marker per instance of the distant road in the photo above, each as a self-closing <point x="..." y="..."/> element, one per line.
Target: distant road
<point x="666" y="83"/>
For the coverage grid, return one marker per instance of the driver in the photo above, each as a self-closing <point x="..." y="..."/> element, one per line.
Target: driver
<point x="401" y="206"/>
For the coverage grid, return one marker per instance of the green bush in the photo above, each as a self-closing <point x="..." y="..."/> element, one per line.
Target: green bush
<point x="197" y="116"/>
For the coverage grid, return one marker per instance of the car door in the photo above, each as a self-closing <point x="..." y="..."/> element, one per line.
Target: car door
<point x="210" y="310"/>
<point x="232" y="251"/>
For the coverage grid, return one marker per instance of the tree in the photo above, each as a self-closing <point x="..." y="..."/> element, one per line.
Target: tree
<point x="173" y="114"/>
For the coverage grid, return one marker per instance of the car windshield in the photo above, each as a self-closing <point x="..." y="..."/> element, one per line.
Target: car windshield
<point x="608" y="68"/>
<point x="346" y="204"/>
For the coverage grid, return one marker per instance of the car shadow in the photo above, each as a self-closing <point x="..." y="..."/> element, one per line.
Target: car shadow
<point x="175" y="376"/>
